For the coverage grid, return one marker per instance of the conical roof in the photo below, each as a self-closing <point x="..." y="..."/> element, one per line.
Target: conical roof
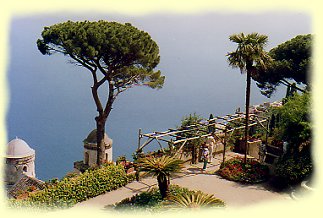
<point x="91" y="138"/>
<point x="18" y="148"/>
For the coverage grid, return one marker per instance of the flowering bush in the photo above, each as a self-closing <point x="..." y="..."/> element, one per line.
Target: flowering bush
<point x="235" y="169"/>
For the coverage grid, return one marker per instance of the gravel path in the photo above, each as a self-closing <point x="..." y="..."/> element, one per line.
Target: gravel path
<point x="232" y="193"/>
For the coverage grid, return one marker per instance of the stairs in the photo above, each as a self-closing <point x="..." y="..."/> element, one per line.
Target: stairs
<point x="272" y="154"/>
<point x="303" y="191"/>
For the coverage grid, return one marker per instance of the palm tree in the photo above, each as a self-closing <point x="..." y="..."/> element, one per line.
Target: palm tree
<point x="249" y="57"/>
<point x="161" y="167"/>
<point x="194" y="200"/>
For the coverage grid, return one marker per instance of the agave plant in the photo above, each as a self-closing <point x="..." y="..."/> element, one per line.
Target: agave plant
<point x="161" y="167"/>
<point x="194" y="200"/>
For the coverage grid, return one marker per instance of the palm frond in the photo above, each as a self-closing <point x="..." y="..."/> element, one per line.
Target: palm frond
<point x="160" y="165"/>
<point x="250" y="49"/>
<point x="196" y="199"/>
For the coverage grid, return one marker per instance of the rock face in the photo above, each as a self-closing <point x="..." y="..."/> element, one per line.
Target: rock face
<point x="90" y="149"/>
<point x="20" y="160"/>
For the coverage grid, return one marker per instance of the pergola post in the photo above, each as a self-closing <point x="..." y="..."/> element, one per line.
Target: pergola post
<point x="266" y="139"/>
<point x="137" y="174"/>
<point x="224" y="144"/>
<point x="139" y="138"/>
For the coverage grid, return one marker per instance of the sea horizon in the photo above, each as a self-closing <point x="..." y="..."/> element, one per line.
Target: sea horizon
<point x="50" y="103"/>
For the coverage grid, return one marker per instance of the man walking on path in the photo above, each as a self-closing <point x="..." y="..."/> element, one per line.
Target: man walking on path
<point x="205" y="157"/>
<point x="210" y="143"/>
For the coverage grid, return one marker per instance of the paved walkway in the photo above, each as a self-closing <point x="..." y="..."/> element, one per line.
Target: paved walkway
<point x="232" y="193"/>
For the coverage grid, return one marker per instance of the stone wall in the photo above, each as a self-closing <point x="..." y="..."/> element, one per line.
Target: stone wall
<point x="90" y="155"/>
<point x="16" y="167"/>
<point x="254" y="148"/>
<point x="218" y="148"/>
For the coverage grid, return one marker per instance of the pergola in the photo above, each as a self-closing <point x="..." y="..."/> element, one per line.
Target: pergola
<point x="221" y="128"/>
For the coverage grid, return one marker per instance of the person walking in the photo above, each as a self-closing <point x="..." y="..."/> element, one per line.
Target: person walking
<point x="205" y="157"/>
<point x="210" y="143"/>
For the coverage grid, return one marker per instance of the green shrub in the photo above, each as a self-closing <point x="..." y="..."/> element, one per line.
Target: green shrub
<point x="120" y="159"/>
<point x="236" y="170"/>
<point x="69" y="191"/>
<point x="71" y="175"/>
<point x="131" y="177"/>
<point x="150" y="200"/>
<point x="294" y="169"/>
<point x="194" y="200"/>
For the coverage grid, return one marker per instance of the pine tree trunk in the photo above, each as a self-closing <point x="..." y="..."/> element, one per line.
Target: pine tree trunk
<point x="100" y="131"/>
<point x="102" y="117"/>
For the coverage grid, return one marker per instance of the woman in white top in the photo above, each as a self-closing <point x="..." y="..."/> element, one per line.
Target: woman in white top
<point x="205" y="157"/>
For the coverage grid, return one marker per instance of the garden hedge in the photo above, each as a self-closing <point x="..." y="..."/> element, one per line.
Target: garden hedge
<point x="69" y="191"/>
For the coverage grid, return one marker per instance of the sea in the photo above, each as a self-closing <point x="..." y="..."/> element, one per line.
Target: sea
<point x="50" y="103"/>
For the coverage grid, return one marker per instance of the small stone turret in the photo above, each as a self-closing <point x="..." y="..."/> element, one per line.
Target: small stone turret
<point x="90" y="149"/>
<point x="20" y="160"/>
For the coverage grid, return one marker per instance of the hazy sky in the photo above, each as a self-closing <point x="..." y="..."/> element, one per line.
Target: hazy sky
<point x="50" y="100"/>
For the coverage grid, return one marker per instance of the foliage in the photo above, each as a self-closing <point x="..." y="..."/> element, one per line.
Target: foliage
<point x="52" y="181"/>
<point x="71" y="175"/>
<point x="81" y="166"/>
<point x="196" y="199"/>
<point x="192" y="145"/>
<point x="211" y="129"/>
<point x="295" y="54"/>
<point x="131" y="177"/>
<point x="294" y="169"/>
<point x="249" y="53"/>
<point x="292" y="61"/>
<point x="295" y="119"/>
<point x="69" y="191"/>
<point x="293" y="122"/>
<point x="149" y="200"/>
<point x="121" y="52"/>
<point x="189" y="120"/>
<point x="161" y="167"/>
<point x="237" y="170"/>
<point x="128" y="166"/>
<point x="121" y="159"/>
<point x="237" y="136"/>
<point x="118" y="55"/>
<point x="152" y="200"/>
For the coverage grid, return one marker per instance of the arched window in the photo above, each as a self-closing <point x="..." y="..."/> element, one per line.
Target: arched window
<point x="106" y="156"/>
<point x="24" y="169"/>
<point x="86" y="158"/>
